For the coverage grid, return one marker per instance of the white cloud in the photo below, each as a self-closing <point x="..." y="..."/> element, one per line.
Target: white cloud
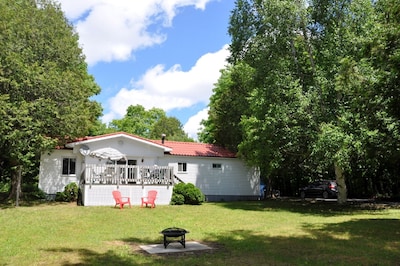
<point x="111" y="30"/>
<point x="193" y="126"/>
<point x="172" y="88"/>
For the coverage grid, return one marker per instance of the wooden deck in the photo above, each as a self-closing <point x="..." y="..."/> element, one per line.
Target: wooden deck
<point x="110" y="174"/>
<point x="99" y="180"/>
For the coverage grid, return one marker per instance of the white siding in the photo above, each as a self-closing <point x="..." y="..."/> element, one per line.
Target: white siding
<point x="102" y="195"/>
<point x="233" y="179"/>
<point x="51" y="179"/>
<point x="134" y="150"/>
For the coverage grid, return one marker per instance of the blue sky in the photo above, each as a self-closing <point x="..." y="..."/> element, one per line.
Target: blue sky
<point x="156" y="53"/>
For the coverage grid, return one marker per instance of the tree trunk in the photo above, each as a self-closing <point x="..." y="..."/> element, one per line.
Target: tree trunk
<point x="15" y="192"/>
<point x="340" y="180"/>
<point x="19" y="177"/>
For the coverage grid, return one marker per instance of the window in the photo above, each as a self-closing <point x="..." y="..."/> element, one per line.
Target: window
<point x="130" y="162"/>
<point x="182" y="167"/>
<point x="69" y="166"/>
<point x="131" y="170"/>
<point x="217" y="166"/>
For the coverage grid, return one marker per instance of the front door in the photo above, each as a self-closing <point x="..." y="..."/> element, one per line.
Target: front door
<point x="130" y="176"/>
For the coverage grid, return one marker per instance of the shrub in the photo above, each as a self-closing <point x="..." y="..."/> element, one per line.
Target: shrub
<point x="177" y="199"/>
<point x="70" y="193"/>
<point x="186" y="194"/>
<point x="36" y="195"/>
<point x="31" y="191"/>
<point x="193" y="195"/>
<point x="60" y="196"/>
<point x="179" y="188"/>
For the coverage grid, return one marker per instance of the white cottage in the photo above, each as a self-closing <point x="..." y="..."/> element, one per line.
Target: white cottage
<point x="135" y="165"/>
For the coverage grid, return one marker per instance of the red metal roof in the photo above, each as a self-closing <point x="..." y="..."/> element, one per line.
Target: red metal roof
<point x="178" y="148"/>
<point x="196" y="149"/>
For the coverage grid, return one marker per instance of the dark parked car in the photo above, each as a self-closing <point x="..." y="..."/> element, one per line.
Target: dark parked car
<point x="320" y="188"/>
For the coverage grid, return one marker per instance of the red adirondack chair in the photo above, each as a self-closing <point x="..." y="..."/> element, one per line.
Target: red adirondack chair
<point x="150" y="199"/>
<point x="119" y="200"/>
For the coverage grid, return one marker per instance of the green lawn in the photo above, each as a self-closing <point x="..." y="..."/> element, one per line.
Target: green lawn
<point x="275" y="232"/>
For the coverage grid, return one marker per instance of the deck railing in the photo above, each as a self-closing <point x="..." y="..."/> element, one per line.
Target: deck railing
<point x="98" y="174"/>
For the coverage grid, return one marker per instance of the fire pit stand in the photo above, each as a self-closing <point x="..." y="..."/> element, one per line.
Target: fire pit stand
<point x="174" y="232"/>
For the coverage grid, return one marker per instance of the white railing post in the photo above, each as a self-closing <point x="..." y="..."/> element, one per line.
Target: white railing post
<point x="128" y="174"/>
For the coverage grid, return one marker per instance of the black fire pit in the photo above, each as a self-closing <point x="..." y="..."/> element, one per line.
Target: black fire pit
<point x="174" y="232"/>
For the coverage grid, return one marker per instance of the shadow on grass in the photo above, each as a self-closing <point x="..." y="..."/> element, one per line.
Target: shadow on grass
<point x="355" y="242"/>
<point x="358" y="242"/>
<point x="33" y="203"/>
<point x="377" y="231"/>
<point x="310" y="207"/>
<point x="90" y="257"/>
<point x="125" y="252"/>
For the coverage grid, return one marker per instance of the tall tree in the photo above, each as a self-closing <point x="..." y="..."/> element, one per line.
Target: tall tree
<point x="43" y="82"/>
<point x="171" y="127"/>
<point x="278" y="124"/>
<point x="228" y="104"/>
<point x="344" y="33"/>
<point x="385" y="54"/>
<point x="150" y="123"/>
<point x="322" y="99"/>
<point x="138" y="120"/>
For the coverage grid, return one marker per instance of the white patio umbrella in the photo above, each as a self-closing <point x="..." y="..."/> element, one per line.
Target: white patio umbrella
<point x="108" y="153"/>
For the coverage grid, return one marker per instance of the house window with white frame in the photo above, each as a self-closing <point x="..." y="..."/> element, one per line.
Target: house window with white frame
<point x="182" y="167"/>
<point x="68" y="166"/>
<point x="216" y="166"/>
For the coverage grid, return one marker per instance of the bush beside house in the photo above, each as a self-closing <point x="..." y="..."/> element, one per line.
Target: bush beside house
<point x="69" y="194"/>
<point x="187" y="194"/>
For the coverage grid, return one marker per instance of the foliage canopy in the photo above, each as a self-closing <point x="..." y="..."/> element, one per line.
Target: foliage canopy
<point x="318" y="95"/>
<point x="45" y="87"/>
<point x="152" y="124"/>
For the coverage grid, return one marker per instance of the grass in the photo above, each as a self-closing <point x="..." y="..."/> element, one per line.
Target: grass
<point x="274" y="232"/>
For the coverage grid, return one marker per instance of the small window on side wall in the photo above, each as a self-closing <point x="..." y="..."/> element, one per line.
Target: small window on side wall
<point x="69" y="166"/>
<point x="182" y="167"/>
<point x="216" y="166"/>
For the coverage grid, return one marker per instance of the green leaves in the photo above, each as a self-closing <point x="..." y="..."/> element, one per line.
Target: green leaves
<point x="322" y="93"/>
<point x="150" y="124"/>
<point x="45" y="88"/>
<point x="228" y="104"/>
